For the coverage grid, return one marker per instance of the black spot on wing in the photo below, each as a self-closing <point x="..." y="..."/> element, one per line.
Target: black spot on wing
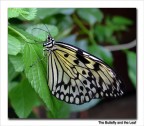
<point x="91" y="86"/>
<point x="89" y="78"/>
<point x="66" y="55"/>
<point x="96" y="66"/>
<point x="80" y="56"/>
<point x="81" y="88"/>
<point x="65" y="86"/>
<point x="100" y="81"/>
<point x="85" y="82"/>
<point x="76" y="61"/>
<point x="83" y="72"/>
<point x="73" y="88"/>
<point x="89" y="73"/>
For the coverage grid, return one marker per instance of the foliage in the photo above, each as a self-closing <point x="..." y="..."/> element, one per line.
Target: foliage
<point x="25" y="50"/>
<point x="131" y="56"/>
<point x="24" y="14"/>
<point x="23" y="98"/>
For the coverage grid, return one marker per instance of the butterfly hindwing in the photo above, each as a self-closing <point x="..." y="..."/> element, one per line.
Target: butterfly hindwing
<point x="77" y="77"/>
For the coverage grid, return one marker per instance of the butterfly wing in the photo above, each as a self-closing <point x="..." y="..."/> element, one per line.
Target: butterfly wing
<point x="77" y="77"/>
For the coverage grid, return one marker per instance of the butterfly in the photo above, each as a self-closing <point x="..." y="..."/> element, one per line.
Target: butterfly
<point x="77" y="77"/>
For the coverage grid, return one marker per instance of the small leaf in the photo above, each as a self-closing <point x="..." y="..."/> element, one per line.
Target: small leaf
<point x="105" y="34"/>
<point x="41" y="31"/>
<point x="46" y="12"/>
<point x="14" y="46"/>
<point x="101" y="53"/>
<point x="112" y="40"/>
<point x="67" y="11"/>
<point x="25" y="13"/>
<point x="131" y="60"/>
<point x="91" y="15"/>
<point x="100" y="33"/>
<point x="17" y="62"/>
<point x="13" y="12"/>
<point x="28" y="13"/>
<point x="23" y="98"/>
<point x="121" y="20"/>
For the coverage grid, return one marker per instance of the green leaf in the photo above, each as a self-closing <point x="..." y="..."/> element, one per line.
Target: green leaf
<point x="17" y="62"/>
<point x="28" y="13"/>
<point x="25" y="36"/>
<point x="11" y="71"/>
<point x="91" y="15"/>
<point x="101" y="53"/>
<point x="121" y="20"/>
<point x="12" y="85"/>
<point x="65" y="25"/>
<point x="23" y="98"/>
<point x="105" y="33"/>
<point x="131" y="60"/>
<point x="23" y="13"/>
<point x="13" y="12"/>
<point x="46" y="12"/>
<point x="112" y="40"/>
<point x="67" y="11"/>
<point x="14" y="46"/>
<point x="42" y="35"/>
<point x="100" y="33"/>
<point x="37" y="73"/>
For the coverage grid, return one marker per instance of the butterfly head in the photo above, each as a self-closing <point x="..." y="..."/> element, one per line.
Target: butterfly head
<point x="49" y="43"/>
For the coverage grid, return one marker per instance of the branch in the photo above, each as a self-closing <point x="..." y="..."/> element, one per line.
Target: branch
<point x="122" y="46"/>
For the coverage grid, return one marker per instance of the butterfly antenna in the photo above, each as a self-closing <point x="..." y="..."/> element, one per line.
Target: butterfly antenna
<point x="47" y="30"/>
<point x="41" y="29"/>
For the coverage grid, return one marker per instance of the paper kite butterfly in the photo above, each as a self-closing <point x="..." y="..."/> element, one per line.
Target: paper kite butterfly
<point x="76" y="77"/>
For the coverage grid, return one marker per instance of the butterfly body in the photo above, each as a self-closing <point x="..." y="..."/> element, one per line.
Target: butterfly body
<point x="76" y="76"/>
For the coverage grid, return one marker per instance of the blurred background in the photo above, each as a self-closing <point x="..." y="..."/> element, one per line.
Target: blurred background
<point x="107" y="33"/>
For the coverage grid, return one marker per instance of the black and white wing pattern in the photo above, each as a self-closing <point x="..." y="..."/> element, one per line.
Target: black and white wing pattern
<point x="77" y="77"/>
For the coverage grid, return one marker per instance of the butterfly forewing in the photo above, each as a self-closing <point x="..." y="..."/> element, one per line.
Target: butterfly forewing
<point x="77" y="77"/>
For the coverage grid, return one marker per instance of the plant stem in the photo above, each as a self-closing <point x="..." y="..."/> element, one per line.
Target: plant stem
<point x="21" y="35"/>
<point x="84" y="29"/>
<point x="91" y="35"/>
<point x="78" y="22"/>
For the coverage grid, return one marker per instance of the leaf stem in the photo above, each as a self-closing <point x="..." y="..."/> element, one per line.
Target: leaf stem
<point x="91" y="36"/>
<point x="84" y="29"/>
<point x="78" y="22"/>
<point x="21" y="35"/>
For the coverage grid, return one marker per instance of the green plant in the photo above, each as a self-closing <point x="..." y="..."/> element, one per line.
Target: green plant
<point x="28" y="86"/>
